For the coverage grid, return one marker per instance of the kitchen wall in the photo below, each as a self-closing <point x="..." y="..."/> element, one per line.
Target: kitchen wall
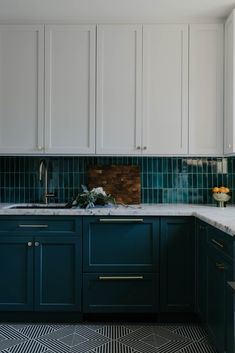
<point x="163" y="180"/>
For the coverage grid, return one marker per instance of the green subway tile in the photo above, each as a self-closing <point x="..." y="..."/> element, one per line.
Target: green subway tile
<point x="164" y="179"/>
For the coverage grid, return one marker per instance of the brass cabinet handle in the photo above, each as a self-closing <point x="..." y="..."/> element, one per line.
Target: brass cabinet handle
<point x="120" y="278"/>
<point x="121" y="220"/>
<point x="33" y="225"/>
<point x="220" y="266"/>
<point x="217" y="243"/>
<point x="36" y="243"/>
<point x="30" y="243"/>
<point x="202" y="227"/>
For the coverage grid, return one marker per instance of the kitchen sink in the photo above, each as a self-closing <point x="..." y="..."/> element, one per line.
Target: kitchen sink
<point x="40" y="206"/>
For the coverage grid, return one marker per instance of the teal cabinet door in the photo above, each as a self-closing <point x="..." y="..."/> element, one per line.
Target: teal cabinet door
<point x="201" y="234"/>
<point x="120" y="293"/>
<point x="219" y="272"/>
<point x="118" y="244"/>
<point x="230" y="327"/>
<point x="58" y="273"/>
<point x="177" y="263"/>
<point x="16" y="273"/>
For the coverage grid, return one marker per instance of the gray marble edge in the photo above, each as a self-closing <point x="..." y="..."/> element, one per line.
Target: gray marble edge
<point x="223" y="219"/>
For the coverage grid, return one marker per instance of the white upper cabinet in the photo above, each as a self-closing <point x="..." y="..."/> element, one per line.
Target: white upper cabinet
<point x="70" y="89"/>
<point x="119" y="89"/>
<point x="229" y="97"/>
<point x="21" y="88"/>
<point x="206" y="89"/>
<point x="165" y="89"/>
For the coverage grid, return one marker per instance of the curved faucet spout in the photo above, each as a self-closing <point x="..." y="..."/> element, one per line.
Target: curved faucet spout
<point x="43" y="176"/>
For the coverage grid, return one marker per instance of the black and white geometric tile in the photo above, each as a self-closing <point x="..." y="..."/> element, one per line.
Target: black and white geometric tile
<point x="104" y="338"/>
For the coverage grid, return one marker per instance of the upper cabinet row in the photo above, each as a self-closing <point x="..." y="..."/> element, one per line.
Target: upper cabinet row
<point x="132" y="89"/>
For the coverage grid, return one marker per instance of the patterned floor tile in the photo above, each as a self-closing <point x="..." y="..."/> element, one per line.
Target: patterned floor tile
<point x="114" y="332"/>
<point x="73" y="339"/>
<point x="35" y="331"/>
<point x="104" y="338"/>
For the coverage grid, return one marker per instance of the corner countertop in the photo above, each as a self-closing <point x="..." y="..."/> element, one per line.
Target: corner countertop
<point x="221" y="218"/>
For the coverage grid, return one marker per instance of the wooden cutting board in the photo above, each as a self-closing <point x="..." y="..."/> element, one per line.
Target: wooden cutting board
<point x="121" y="181"/>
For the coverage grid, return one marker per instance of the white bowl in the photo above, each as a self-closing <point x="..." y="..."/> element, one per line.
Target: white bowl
<point x="221" y="196"/>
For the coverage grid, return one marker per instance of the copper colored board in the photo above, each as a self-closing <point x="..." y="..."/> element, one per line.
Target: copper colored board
<point x="122" y="181"/>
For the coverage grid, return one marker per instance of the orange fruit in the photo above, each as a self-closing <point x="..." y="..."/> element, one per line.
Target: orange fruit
<point x="216" y="189"/>
<point x="224" y="189"/>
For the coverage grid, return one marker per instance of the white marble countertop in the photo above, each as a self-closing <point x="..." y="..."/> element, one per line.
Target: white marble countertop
<point x="221" y="218"/>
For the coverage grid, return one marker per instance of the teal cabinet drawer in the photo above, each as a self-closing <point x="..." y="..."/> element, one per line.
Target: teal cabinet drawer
<point x="121" y="244"/>
<point x="40" y="224"/>
<point x="120" y="293"/>
<point x="221" y="241"/>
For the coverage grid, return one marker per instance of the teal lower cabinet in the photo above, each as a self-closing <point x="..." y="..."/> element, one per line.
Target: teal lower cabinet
<point x="220" y="309"/>
<point x="16" y="273"/>
<point x="177" y="264"/>
<point x="219" y="272"/>
<point x="120" y="293"/>
<point x="201" y="258"/>
<point x="58" y="277"/>
<point x="41" y="264"/>
<point x="120" y="264"/>
<point x="215" y="267"/>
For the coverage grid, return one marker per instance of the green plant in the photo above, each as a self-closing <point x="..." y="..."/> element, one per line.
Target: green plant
<point x="89" y="199"/>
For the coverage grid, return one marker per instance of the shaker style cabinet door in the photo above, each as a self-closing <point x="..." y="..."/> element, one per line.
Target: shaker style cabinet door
<point x="70" y="89"/>
<point x="119" y="85"/>
<point x="21" y="88"/>
<point x="16" y="273"/>
<point x="58" y="279"/>
<point x="206" y="89"/>
<point x="165" y="89"/>
<point x="229" y="82"/>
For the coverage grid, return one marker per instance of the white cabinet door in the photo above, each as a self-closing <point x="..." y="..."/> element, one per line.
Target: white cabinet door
<point x="70" y="89"/>
<point x="119" y="75"/>
<point x="21" y="89"/>
<point x="165" y="89"/>
<point x="229" y="98"/>
<point x="206" y="89"/>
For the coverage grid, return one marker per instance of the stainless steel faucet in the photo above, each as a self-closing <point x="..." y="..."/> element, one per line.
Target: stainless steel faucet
<point x="43" y="176"/>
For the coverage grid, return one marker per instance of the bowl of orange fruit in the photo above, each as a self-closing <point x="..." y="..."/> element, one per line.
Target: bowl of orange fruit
<point x="221" y="194"/>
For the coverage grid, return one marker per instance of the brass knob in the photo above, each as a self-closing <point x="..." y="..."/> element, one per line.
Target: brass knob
<point x="145" y="148"/>
<point x="30" y="243"/>
<point x="37" y="244"/>
<point x="138" y="147"/>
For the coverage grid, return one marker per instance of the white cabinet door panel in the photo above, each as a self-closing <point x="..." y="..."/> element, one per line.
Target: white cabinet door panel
<point x="206" y="89"/>
<point x="165" y="89"/>
<point x="119" y="75"/>
<point x="70" y="89"/>
<point x="229" y="97"/>
<point x="21" y="88"/>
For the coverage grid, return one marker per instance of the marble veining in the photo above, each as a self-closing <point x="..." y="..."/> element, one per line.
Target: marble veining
<point x="221" y="218"/>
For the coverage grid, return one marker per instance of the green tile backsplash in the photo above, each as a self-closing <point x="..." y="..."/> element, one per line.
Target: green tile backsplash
<point x="163" y="180"/>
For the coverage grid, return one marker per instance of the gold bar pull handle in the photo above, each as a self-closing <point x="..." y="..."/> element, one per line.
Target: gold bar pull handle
<point x="33" y="225"/>
<point x="220" y="266"/>
<point x="120" y="278"/>
<point x="121" y="220"/>
<point x="217" y="243"/>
